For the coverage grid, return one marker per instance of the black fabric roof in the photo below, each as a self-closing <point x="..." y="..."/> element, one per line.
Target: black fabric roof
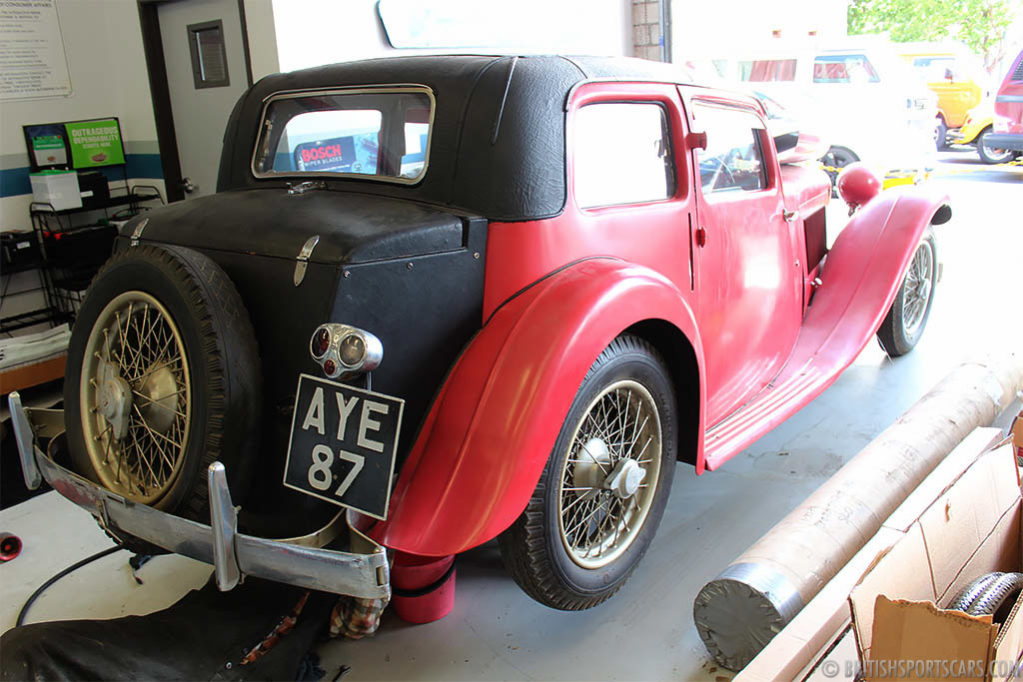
<point x="503" y="163"/>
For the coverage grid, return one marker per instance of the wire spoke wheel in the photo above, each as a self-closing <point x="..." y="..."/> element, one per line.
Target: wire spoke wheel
<point x="916" y="293"/>
<point x="136" y="397"/>
<point x="596" y="508"/>
<point x="903" y="326"/>
<point x="609" y="475"/>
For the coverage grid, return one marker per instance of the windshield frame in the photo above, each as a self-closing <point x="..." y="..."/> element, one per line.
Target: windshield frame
<point x="397" y="88"/>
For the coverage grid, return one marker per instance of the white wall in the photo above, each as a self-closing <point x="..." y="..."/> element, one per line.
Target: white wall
<point x="712" y="29"/>
<point x="315" y="32"/>
<point x="103" y="41"/>
<point x="259" y="19"/>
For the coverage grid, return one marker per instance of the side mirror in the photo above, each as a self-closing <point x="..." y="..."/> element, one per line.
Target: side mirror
<point x="949" y="76"/>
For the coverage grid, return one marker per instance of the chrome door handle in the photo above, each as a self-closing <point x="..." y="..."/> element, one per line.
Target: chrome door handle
<point x="789" y="216"/>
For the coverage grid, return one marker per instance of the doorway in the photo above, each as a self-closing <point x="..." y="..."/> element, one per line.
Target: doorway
<point x="197" y="55"/>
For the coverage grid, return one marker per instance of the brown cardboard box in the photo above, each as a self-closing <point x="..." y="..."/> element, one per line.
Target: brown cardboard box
<point x="971" y="529"/>
<point x="793" y="653"/>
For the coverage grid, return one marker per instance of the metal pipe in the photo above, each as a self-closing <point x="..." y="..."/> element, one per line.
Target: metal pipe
<point x="664" y="20"/>
<point x="739" y="612"/>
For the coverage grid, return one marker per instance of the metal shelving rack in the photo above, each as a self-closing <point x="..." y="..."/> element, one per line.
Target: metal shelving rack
<point x="67" y="268"/>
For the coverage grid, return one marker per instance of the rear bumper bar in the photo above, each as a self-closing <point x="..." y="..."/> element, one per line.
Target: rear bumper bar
<point x="362" y="572"/>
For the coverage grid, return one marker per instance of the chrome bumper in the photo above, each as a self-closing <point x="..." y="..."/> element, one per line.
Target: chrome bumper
<point x="363" y="572"/>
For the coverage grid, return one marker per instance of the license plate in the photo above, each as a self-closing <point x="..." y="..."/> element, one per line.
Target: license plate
<point x="343" y="444"/>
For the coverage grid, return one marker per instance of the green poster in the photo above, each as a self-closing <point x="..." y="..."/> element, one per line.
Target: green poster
<point x="95" y="143"/>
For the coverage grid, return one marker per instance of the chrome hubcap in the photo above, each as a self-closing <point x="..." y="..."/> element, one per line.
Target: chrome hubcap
<point x="610" y="474"/>
<point x="917" y="290"/>
<point x="136" y="397"/>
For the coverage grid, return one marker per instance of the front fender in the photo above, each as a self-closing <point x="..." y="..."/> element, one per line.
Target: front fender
<point x="861" y="276"/>
<point x="490" y="431"/>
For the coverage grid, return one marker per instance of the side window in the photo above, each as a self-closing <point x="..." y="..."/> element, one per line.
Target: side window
<point x="733" y="160"/>
<point x="622" y="154"/>
<point x="843" y="68"/>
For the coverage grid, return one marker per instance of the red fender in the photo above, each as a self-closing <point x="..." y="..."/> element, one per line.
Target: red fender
<point x="861" y="276"/>
<point x="864" y="270"/>
<point x="491" y="429"/>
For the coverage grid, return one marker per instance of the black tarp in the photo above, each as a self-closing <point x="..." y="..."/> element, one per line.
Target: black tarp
<point x="204" y="636"/>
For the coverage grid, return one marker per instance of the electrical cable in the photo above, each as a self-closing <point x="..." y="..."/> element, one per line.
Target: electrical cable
<point x="69" y="569"/>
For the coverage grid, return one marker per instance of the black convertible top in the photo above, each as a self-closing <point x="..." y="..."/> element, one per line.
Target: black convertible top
<point x="502" y="162"/>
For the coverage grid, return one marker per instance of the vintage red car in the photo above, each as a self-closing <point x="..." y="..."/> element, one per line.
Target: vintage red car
<point x="455" y="298"/>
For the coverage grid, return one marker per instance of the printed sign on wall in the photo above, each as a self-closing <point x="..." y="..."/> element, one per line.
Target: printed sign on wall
<point x="32" y="58"/>
<point x="95" y="143"/>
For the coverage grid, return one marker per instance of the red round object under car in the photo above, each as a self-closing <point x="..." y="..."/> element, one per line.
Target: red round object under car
<point x="857" y="184"/>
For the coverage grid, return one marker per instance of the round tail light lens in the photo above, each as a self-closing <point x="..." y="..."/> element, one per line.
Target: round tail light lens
<point x="320" y="342"/>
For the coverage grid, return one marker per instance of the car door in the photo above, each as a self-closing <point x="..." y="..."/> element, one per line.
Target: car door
<point x="748" y="267"/>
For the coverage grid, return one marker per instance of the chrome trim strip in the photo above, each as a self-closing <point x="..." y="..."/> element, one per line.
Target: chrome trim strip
<point x="224" y="517"/>
<point x="1008" y="99"/>
<point x="24" y="437"/>
<point x="363" y="572"/>
<point x="302" y="259"/>
<point x="136" y="234"/>
<point x="360" y="90"/>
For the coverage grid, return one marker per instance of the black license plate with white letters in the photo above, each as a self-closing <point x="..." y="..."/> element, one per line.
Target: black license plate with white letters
<point x="343" y="444"/>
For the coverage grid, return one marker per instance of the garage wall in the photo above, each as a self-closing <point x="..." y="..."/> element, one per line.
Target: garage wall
<point x="314" y="32"/>
<point x="103" y="42"/>
<point x="711" y="29"/>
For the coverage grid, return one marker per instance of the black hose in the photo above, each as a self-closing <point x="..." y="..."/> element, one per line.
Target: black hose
<point x="969" y="594"/>
<point x="69" y="569"/>
<point x="1001" y="590"/>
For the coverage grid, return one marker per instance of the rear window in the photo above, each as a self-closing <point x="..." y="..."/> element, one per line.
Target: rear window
<point x="843" y="68"/>
<point x="622" y="154"/>
<point x="379" y="134"/>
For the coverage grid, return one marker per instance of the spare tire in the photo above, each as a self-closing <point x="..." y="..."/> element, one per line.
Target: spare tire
<point x="163" y="379"/>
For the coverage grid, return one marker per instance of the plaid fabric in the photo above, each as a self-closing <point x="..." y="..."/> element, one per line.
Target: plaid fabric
<point x="355" y="618"/>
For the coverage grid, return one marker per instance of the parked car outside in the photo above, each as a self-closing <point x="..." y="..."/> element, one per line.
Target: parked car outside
<point x="977" y="130"/>
<point x="860" y="95"/>
<point x="954" y="74"/>
<point x="1008" y="124"/>
<point x="453" y="298"/>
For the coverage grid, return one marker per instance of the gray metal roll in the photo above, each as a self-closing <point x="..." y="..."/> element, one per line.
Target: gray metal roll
<point x="739" y="612"/>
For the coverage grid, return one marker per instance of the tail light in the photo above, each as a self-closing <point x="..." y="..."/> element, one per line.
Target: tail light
<point x="341" y="349"/>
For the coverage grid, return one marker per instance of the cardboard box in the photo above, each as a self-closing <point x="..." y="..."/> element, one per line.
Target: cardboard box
<point x="973" y="528"/>
<point x="797" y="650"/>
<point x="57" y="188"/>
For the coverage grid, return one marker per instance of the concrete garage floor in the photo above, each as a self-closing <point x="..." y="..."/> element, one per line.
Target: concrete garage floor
<point x="645" y="632"/>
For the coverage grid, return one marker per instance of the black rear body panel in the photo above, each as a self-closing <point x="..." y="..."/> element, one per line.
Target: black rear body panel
<point x="411" y="275"/>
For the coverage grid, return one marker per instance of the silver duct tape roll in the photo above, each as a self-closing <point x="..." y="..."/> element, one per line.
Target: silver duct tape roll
<point x="739" y="612"/>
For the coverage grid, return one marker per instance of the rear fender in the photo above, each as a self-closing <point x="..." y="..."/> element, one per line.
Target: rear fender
<point x="484" y="444"/>
<point x="864" y="270"/>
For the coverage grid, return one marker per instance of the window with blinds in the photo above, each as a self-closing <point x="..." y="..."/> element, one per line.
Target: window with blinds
<point x="209" y="57"/>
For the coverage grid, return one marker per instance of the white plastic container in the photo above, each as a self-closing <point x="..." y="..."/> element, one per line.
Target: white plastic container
<point x="57" y="188"/>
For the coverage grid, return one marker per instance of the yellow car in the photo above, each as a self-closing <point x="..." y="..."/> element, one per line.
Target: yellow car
<point x="952" y="72"/>
<point x="975" y="130"/>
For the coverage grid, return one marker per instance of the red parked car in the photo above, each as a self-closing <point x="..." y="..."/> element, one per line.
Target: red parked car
<point x="1008" y="123"/>
<point x="465" y="297"/>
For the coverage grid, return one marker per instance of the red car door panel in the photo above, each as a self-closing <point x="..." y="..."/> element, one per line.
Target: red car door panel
<point x="749" y="278"/>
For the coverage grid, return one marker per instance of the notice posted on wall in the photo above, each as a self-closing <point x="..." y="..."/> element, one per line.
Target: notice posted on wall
<point x="95" y="143"/>
<point x="32" y="58"/>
